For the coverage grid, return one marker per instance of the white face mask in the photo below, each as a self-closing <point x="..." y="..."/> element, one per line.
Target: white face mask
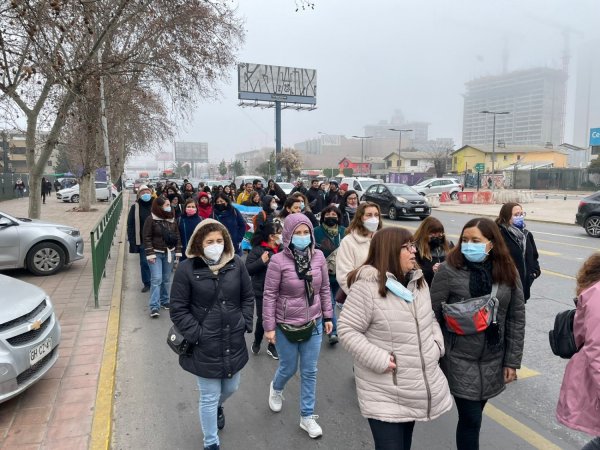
<point x="371" y="224"/>
<point x="213" y="252"/>
<point x="278" y="239"/>
<point x="273" y="206"/>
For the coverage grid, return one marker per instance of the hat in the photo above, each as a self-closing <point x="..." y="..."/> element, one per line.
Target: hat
<point x="344" y="186"/>
<point x="142" y="187"/>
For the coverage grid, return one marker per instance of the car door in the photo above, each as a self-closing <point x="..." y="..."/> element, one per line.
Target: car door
<point x="9" y="243"/>
<point x="101" y="191"/>
<point x="386" y="199"/>
<point x="371" y="194"/>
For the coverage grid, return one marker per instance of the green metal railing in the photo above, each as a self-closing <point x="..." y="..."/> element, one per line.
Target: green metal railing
<point x="101" y="240"/>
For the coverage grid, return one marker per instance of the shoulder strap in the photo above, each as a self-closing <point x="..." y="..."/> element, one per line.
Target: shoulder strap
<point x="494" y="290"/>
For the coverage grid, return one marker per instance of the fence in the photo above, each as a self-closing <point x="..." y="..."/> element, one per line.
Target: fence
<point x="101" y="240"/>
<point x="553" y="179"/>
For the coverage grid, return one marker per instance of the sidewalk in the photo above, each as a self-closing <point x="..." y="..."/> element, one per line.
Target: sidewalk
<point x="57" y="411"/>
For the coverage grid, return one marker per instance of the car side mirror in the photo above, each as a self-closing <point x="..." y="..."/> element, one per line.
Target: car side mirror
<point x="6" y="222"/>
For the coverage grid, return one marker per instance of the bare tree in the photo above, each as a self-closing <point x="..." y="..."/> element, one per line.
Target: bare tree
<point x="290" y="161"/>
<point x="440" y="156"/>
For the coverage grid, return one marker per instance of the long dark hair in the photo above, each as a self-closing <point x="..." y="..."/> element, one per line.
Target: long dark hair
<point x="503" y="268"/>
<point x="288" y="204"/>
<point x="157" y="208"/>
<point x="428" y="226"/>
<point x="505" y="213"/>
<point x="384" y="255"/>
<point x="265" y="231"/>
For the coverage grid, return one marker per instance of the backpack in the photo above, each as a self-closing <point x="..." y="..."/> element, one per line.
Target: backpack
<point x="562" y="339"/>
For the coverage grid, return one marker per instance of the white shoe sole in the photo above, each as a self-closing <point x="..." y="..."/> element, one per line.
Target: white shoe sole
<point x="273" y="407"/>
<point x="314" y="436"/>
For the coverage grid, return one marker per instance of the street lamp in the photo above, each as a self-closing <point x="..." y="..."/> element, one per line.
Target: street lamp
<point x="494" y="113"/>
<point x="399" y="131"/>
<point x="362" y="150"/>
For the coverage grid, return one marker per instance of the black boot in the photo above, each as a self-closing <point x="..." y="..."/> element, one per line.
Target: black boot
<point x="220" y="418"/>
<point x="212" y="447"/>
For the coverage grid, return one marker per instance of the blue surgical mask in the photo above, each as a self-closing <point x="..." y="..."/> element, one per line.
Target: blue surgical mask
<point x="167" y="209"/>
<point x="301" y="242"/>
<point x="302" y="206"/>
<point x="474" y="251"/>
<point x="146" y="197"/>
<point x="519" y="222"/>
<point x="396" y="288"/>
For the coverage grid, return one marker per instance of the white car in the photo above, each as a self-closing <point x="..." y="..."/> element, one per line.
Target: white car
<point x="72" y="194"/>
<point x="286" y="187"/>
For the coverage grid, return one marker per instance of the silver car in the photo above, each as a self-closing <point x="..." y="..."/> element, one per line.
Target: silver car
<point x="29" y="336"/>
<point x="43" y="248"/>
<point x="439" y="185"/>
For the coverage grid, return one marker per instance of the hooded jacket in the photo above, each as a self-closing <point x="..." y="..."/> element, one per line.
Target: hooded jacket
<point x="474" y="370"/>
<point x="213" y="310"/>
<point x="233" y="221"/>
<point x="352" y="254"/>
<point x="206" y="210"/>
<point x="284" y="297"/>
<point x="154" y="227"/>
<point x="371" y="327"/>
<point x="527" y="265"/>
<point x="138" y="213"/>
<point x="187" y="225"/>
<point x="266" y="215"/>
<point x="579" y="399"/>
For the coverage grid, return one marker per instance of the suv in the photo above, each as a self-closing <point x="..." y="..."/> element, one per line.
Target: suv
<point x="588" y="214"/>
<point x="438" y="186"/>
<point x="359" y="184"/>
<point x="72" y="194"/>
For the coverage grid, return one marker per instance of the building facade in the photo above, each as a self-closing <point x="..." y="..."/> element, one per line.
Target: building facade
<point x="587" y="94"/>
<point x="535" y="99"/>
<point x="465" y="158"/>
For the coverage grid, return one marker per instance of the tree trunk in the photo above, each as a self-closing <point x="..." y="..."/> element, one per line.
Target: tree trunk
<point x="35" y="174"/>
<point x="93" y="198"/>
<point x="85" y="191"/>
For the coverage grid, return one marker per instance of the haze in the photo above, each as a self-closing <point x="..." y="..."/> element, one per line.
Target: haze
<point x="373" y="57"/>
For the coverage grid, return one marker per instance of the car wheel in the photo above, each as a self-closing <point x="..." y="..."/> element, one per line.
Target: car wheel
<point x="454" y="195"/>
<point x="592" y="226"/>
<point x="75" y="199"/>
<point x="45" y="258"/>
<point x="392" y="213"/>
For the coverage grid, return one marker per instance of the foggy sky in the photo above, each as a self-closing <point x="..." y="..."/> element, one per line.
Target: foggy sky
<point x="375" y="56"/>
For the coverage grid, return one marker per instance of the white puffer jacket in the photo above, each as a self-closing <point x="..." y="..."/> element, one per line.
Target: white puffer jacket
<point x="371" y="327"/>
<point x="352" y="254"/>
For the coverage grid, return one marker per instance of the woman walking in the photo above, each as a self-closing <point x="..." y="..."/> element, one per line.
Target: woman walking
<point x="579" y="400"/>
<point x="296" y="302"/>
<point x="328" y="237"/>
<point x="266" y="243"/>
<point x="348" y="207"/>
<point x="188" y="222"/>
<point x="162" y="244"/>
<point x="481" y="358"/>
<point x="432" y="247"/>
<point x="520" y="243"/>
<point x="44" y="187"/>
<point x="225" y="212"/>
<point x="205" y="209"/>
<point x="387" y="326"/>
<point x="211" y="306"/>
<point x="355" y="247"/>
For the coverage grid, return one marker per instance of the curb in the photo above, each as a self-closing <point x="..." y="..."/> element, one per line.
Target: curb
<point x="529" y="219"/>
<point x="102" y="421"/>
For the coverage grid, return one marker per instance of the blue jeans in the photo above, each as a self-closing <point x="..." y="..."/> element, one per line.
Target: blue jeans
<point x="308" y="352"/>
<point x="213" y="393"/>
<point x="160" y="280"/>
<point x="144" y="266"/>
<point x="334" y="288"/>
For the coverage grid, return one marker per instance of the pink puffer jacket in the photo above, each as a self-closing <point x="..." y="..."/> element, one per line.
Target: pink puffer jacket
<point x="284" y="299"/>
<point x="579" y="399"/>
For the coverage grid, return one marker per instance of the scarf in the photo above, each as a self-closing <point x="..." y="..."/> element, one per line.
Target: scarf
<point x="480" y="277"/>
<point x="332" y="232"/>
<point x="519" y="236"/>
<point x="302" y="265"/>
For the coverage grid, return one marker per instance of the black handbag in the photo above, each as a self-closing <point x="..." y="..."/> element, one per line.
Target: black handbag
<point x="178" y="343"/>
<point x="295" y="333"/>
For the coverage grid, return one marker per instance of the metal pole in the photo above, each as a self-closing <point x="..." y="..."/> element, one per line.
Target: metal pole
<point x="277" y="137"/>
<point x="105" y="133"/>
<point x="399" y="150"/>
<point x="493" y="152"/>
<point x="362" y="155"/>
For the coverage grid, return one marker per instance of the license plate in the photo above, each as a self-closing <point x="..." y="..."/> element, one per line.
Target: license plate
<point x="37" y="353"/>
<point x="419" y="209"/>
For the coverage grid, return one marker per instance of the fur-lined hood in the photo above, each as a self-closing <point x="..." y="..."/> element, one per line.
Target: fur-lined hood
<point x="193" y="247"/>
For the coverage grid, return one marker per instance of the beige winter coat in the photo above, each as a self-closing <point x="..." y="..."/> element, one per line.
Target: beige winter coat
<point x="371" y="327"/>
<point x="352" y="254"/>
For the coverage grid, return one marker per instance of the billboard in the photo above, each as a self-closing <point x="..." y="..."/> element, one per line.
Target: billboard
<point x="276" y="83"/>
<point x="191" y="151"/>
<point x="594" y="137"/>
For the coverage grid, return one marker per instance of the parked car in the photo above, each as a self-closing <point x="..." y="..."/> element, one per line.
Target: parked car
<point x="438" y="186"/>
<point x="398" y="200"/>
<point x="359" y="184"/>
<point x="128" y="184"/>
<point x="137" y="183"/>
<point x="72" y="194"/>
<point x="29" y="336"/>
<point x="588" y="214"/>
<point x="43" y="248"/>
<point x="286" y="187"/>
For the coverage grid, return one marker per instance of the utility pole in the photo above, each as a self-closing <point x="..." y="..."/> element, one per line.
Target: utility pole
<point x="399" y="131"/>
<point x="362" y="150"/>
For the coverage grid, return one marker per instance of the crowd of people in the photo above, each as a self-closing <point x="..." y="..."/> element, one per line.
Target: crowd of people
<point x="322" y="263"/>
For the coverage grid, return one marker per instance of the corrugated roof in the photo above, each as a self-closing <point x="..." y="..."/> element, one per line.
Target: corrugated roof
<point x="514" y="149"/>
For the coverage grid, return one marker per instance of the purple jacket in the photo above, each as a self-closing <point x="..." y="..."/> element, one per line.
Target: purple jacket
<point x="284" y="299"/>
<point x="579" y="399"/>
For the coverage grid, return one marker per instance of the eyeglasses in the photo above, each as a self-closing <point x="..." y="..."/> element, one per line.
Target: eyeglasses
<point x="410" y="246"/>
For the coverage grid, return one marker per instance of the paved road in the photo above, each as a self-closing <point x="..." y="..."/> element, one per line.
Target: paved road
<point x="156" y="402"/>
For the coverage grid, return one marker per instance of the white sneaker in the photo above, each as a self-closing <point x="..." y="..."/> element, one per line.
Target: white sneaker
<point x="275" y="399"/>
<point x="310" y="425"/>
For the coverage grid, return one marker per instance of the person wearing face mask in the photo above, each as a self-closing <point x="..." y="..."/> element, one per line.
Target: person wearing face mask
<point x="520" y="243"/>
<point x="482" y="357"/>
<point x="188" y="222"/>
<point x="231" y="218"/>
<point x="162" y="244"/>
<point x="138" y="213"/>
<point x="274" y="190"/>
<point x="396" y="343"/>
<point x="432" y="247"/>
<point x="348" y="207"/>
<point x="305" y="208"/>
<point x="269" y="208"/>
<point x="205" y="208"/>
<point x="266" y="243"/>
<point x="354" y="248"/>
<point x="296" y="303"/>
<point x="328" y="237"/>
<point x="175" y="205"/>
<point x="212" y="305"/>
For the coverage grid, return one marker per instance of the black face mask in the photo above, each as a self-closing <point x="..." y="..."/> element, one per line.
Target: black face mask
<point x="436" y="242"/>
<point x="220" y="207"/>
<point x="330" y="221"/>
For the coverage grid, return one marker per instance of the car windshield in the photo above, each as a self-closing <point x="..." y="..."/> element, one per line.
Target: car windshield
<point x="401" y="189"/>
<point x="421" y="183"/>
<point x="367" y="184"/>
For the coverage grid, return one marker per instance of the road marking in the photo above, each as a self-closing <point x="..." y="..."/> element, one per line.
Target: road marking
<point x="547" y="253"/>
<point x="536" y="440"/>
<point x="561" y="235"/>
<point x="587" y="247"/>
<point x="525" y="372"/>
<point x="557" y="274"/>
<point x="102" y="421"/>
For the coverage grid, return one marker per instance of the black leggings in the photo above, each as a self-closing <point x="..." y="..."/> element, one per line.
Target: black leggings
<point x="594" y="444"/>
<point x="392" y="436"/>
<point x="259" y="331"/>
<point x="470" y="413"/>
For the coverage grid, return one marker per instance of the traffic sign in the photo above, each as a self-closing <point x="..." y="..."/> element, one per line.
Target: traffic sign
<point x="594" y="137"/>
<point x="479" y="167"/>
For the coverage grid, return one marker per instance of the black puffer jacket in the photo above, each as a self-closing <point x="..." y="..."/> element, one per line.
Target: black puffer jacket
<point x="224" y="303"/>
<point x="474" y="370"/>
<point x="528" y="265"/>
<point x="257" y="268"/>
